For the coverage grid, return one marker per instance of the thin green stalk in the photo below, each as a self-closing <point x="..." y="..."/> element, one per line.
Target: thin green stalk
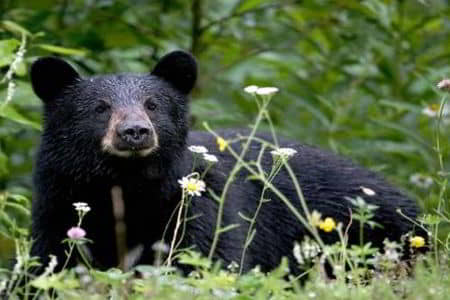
<point x="272" y="128"/>
<point x="441" y="171"/>
<point x="237" y="167"/>
<point x="177" y="226"/>
<point x="71" y="246"/>
<point x="276" y="168"/>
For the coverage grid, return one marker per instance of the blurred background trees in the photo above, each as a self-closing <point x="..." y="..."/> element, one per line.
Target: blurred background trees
<point x="354" y="76"/>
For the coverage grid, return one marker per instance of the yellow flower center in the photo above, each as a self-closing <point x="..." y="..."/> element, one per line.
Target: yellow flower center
<point x="417" y="242"/>
<point x="221" y="143"/>
<point x="434" y="107"/>
<point x="328" y="225"/>
<point x="191" y="187"/>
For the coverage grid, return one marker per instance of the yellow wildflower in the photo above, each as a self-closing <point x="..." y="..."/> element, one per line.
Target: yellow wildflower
<point x="222" y="143"/>
<point x="417" y="242"/>
<point x="328" y="225"/>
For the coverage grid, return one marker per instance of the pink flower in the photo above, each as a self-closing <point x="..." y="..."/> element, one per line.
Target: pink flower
<point x="444" y="85"/>
<point x="76" y="233"/>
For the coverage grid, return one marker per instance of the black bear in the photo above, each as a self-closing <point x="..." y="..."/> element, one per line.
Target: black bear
<point x="131" y="131"/>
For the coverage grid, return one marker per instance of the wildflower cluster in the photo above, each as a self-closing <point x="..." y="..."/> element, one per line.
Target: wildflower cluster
<point x="432" y="110"/>
<point x="12" y="69"/>
<point x="283" y="153"/>
<point x="204" y="153"/>
<point x="262" y="91"/>
<point x="421" y="181"/>
<point x="76" y="232"/>
<point x="51" y="266"/>
<point x="327" y="225"/>
<point x="306" y="250"/>
<point x="389" y="259"/>
<point x="81" y="207"/>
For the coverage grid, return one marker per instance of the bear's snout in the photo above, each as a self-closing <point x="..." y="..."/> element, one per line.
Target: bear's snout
<point x="135" y="134"/>
<point x="130" y="133"/>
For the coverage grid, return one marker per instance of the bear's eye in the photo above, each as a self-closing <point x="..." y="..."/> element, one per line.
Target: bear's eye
<point x="150" y="105"/>
<point x="102" y="107"/>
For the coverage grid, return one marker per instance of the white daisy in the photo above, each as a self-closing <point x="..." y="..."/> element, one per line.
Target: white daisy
<point x="266" y="91"/>
<point x="420" y="180"/>
<point x="284" y="152"/>
<point x="367" y="191"/>
<point x="81" y="206"/>
<point x="198" y="149"/>
<point x="251" y="89"/>
<point x="210" y="157"/>
<point x="193" y="186"/>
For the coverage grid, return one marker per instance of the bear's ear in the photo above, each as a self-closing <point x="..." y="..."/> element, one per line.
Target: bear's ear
<point x="49" y="77"/>
<point x="179" y="68"/>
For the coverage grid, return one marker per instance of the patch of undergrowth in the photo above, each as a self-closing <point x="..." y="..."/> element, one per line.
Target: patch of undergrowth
<point x="208" y="281"/>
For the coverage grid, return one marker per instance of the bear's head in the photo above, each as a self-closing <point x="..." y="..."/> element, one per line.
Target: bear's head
<point x="120" y="115"/>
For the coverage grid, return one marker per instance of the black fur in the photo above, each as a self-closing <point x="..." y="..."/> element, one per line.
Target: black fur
<point x="71" y="167"/>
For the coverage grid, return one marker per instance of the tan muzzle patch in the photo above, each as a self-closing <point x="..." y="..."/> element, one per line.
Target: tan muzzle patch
<point x="111" y="138"/>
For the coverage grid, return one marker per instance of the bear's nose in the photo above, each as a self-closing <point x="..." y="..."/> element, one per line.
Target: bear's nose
<point x="136" y="134"/>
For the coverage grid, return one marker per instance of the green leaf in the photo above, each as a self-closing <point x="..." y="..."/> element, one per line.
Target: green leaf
<point x="194" y="259"/>
<point x="19" y="198"/>
<point x="55" y="281"/>
<point x="10" y="113"/>
<point x="14" y="27"/>
<point x="62" y="50"/>
<point x="7" y="47"/>
<point x="430" y="219"/>
<point x="250" y="4"/>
